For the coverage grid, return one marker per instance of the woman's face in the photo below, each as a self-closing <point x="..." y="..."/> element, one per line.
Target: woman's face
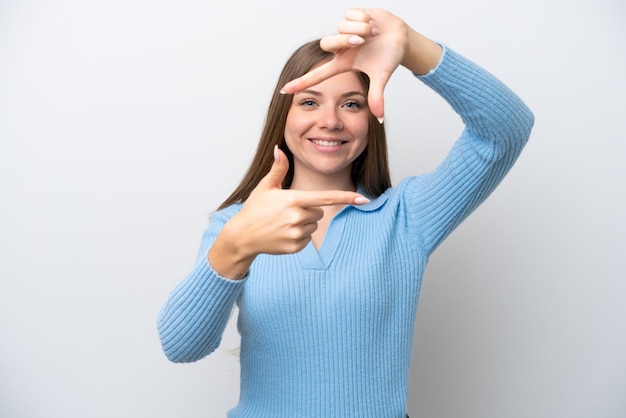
<point x="326" y="127"/>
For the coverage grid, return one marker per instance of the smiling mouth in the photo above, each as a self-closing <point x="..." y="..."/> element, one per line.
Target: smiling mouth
<point x="326" y="143"/>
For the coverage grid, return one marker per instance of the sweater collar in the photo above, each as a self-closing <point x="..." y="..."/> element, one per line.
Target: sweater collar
<point x="375" y="202"/>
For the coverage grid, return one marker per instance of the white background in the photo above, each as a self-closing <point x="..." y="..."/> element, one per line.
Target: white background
<point x="124" y="123"/>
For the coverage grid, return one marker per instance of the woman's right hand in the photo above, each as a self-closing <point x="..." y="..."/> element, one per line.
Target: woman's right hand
<point x="272" y="221"/>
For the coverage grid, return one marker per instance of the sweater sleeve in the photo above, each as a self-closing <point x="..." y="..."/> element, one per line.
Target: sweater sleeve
<point x="193" y="319"/>
<point x="497" y="126"/>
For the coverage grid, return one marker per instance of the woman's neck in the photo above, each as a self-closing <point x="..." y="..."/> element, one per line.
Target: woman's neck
<point x="318" y="181"/>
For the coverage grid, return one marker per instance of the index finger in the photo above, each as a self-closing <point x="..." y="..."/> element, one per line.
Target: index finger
<point x="329" y="198"/>
<point x="313" y="77"/>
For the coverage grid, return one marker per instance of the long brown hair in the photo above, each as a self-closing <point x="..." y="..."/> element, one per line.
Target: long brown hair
<point x="370" y="170"/>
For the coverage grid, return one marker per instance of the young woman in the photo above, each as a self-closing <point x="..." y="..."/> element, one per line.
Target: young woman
<point x="324" y="258"/>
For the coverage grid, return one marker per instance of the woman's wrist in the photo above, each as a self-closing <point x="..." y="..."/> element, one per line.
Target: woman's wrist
<point x="422" y="54"/>
<point x="227" y="257"/>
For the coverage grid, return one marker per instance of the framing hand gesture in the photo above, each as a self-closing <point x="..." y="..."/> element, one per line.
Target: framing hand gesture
<point x="375" y="42"/>
<point x="369" y="40"/>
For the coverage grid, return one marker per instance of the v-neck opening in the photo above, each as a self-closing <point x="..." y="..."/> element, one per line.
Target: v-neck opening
<point x="322" y="257"/>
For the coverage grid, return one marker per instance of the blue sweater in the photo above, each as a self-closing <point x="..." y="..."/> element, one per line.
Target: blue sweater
<point x="329" y="333"/>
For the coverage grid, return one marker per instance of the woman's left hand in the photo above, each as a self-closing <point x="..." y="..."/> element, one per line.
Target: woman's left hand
<point x="373" y="41"/>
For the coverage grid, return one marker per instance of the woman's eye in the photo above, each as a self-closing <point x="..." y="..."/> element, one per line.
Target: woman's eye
<point x="353" y="104"/>
<point x="307" y="103"/>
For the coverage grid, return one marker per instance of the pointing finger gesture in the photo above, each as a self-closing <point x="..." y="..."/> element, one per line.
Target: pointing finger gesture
<point x="273" y="221"/>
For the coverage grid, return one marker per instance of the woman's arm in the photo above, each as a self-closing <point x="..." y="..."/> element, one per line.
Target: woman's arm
<point x="497" y="126"/>
<point x="193" y="319"/>
<point x="497" y="122"/>
<point x="271" y="221"/>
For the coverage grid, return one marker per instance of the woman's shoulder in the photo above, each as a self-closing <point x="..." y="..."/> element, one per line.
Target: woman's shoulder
<point x="224" y="214"/>
<point x="395" y="194"/>
<point x="406" y="186"/>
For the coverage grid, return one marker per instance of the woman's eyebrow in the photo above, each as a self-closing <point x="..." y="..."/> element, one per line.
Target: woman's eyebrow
<point x="344" y="95"/>
<point x="354" y="93"/>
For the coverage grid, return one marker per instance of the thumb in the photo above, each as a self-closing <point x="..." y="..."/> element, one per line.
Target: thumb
<point x="278" y="171"/>
<point x="375" y="99"/>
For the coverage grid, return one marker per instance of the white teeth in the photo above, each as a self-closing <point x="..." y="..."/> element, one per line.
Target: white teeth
<point x="324" y="143"/>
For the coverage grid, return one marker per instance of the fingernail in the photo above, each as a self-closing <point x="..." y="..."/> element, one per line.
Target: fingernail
<point x="381" y="120"/>
<point x="356" y="40"/>
<point x="361" y="200"/>
<point x="375" y="32"/>
<point x="276" y="154"/>
<point x="282" y="90"/>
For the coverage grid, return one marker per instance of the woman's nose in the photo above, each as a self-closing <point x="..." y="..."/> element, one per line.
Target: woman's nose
<point x="330" y="119"/>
